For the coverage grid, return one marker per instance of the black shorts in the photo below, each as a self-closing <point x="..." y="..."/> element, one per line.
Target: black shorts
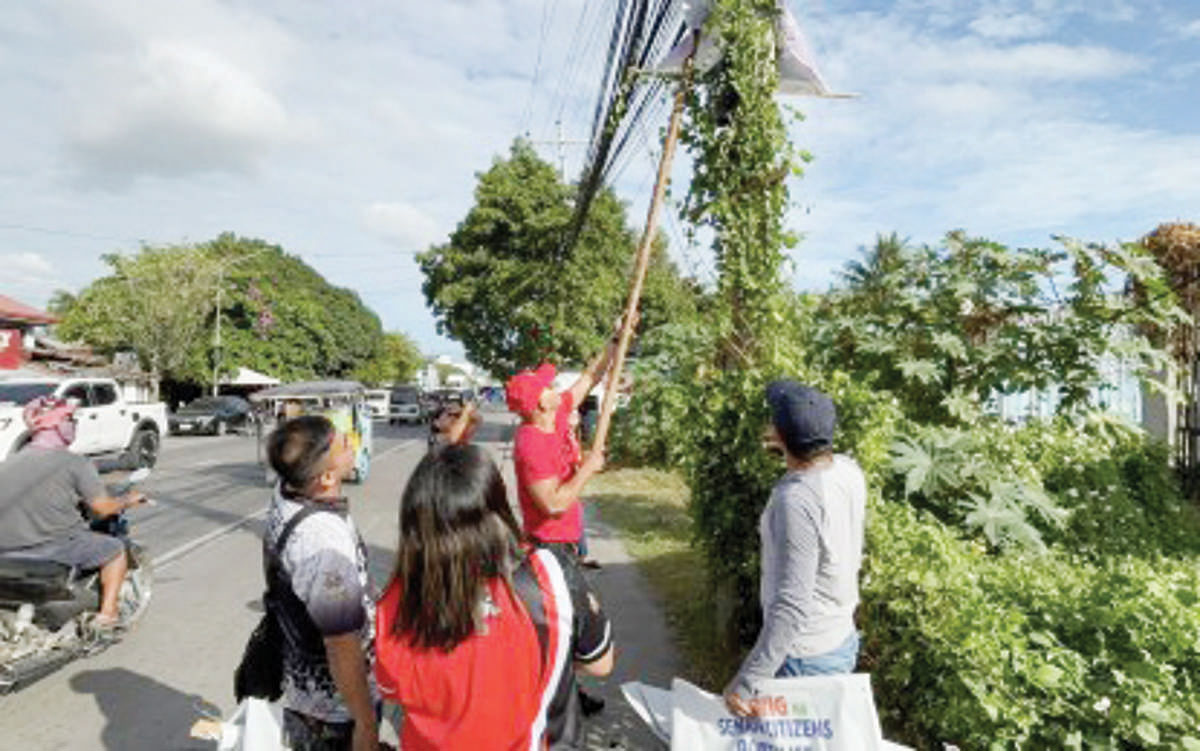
<point x="571" y="549"/>
<point x="85" y="549"/>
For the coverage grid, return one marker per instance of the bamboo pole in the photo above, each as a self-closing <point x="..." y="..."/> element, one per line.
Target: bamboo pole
<point x="613" y="379"/>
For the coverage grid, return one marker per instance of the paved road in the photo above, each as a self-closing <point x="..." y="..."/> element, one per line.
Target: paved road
<point x="204" y="533"/>
<point x="145" y="692"/>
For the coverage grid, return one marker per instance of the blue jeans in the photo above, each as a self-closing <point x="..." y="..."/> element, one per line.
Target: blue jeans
<point x="841" y="659"/>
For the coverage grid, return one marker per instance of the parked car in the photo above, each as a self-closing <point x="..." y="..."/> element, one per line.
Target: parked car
<point x="379" y="401"/>
<point x="105" y="424"/>
<point x="407" y="406"/>
<point x="214" y="415"/>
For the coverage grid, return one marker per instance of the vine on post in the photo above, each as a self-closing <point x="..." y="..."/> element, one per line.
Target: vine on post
<point x="738" y="141"/>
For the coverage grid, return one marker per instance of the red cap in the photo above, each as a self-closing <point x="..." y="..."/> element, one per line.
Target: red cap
<point x="524" y="390"/>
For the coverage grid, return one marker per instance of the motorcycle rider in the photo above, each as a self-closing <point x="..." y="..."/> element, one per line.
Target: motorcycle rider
<point x="45" y="490"/>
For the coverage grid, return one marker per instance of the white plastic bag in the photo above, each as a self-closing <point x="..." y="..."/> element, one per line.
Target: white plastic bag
<point x="256" y="725"/>
<point x="654" y="705"/>
<point x="812" y="713"/>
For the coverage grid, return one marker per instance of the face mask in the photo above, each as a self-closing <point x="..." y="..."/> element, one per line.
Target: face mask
<point x="58" y="437"/>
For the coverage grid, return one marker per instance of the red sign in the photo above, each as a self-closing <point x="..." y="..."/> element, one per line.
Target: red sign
<point x="12" y="350"/>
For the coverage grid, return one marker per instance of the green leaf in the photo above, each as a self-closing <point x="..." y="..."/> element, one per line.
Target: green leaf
<point x="1153" y="711"/>
<point x="1189" y="743"/>
<point x="924" y="371"/>
<point x="950" y="344"/>
<point x="1048" y="676"/>
<point x="914" y="462"/>
<point x="961" y="406"/>
<point x="1147" y="731"/>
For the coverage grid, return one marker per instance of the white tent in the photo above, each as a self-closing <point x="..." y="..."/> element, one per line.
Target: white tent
<point x="248" y="377"/>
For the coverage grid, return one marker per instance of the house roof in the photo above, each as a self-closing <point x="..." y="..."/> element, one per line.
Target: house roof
<point x="11" y="310"/>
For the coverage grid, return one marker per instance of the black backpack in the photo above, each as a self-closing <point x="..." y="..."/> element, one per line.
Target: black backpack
<point x="260" y="673"/>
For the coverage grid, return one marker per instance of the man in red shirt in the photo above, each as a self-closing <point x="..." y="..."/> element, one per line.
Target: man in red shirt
<point x="550" y="470"/>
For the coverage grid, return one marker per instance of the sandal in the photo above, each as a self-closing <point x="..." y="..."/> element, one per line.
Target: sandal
<point x="103" y="627"/>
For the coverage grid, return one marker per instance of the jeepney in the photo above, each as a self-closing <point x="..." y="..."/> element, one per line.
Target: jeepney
<point x="343" y="402"/>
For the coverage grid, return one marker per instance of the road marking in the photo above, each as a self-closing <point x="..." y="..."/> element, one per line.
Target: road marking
<point x="406" y="444"/>
<point x="182" y="550"/>
<point x="187" y="547"/>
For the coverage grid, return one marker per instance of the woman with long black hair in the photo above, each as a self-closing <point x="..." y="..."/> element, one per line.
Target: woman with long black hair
<point x="477" y="633"/>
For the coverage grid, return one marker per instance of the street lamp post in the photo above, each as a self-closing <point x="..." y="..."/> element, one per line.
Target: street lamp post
<point x="217" y="332"/>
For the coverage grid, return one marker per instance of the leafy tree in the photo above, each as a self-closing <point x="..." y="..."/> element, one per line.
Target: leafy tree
<point x="156" y="303"/>
<point x="397" y="361"/>
<point x="944" y="329"/>
<point x="279" y="316"/>
<point x="60" y="302"/>
<point x="509" y="289"/>
<point x="1176" y="248"/>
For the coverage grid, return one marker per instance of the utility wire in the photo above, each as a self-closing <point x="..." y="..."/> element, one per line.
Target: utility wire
<point x="576" y="52"/>
<point x="547" y="13"/>
<point x="67" y="233"/>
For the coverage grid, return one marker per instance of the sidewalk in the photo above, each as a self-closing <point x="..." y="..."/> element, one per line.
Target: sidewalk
<point x="644" y="648"/>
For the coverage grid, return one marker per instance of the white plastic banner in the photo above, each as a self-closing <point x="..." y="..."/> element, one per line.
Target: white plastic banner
<point x="818" y="713"/>
<point x="798" y="74"/>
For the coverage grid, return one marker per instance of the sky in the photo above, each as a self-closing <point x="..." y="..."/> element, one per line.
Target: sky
<point x="351" y="133"/>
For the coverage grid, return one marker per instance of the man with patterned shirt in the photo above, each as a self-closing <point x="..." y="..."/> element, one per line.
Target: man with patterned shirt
<point x="329" y="697"/>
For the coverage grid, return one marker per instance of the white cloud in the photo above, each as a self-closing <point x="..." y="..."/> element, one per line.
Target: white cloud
<point x="1005" y="141"/>
<point x="183" y="110"/>
<point x="1009" y="26"/>
<point x="1191" y="29"/>
<point x="29" y="264"/>
<point x="174" y="91"/>
<point x="28" y="277"/>
<point x="403" y="224"/>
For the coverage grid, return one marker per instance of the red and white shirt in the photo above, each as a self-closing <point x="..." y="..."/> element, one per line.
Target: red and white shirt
<point x="504" y="686"/>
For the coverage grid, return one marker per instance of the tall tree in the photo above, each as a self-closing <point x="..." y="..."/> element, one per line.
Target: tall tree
<point x="510" y="289"/>
<point x="60" y="302"/>
<point x="155" y="302"/>
<point x="277" y="314"/>
<point x="397" y="361"/>
<point x="280" y="316"/>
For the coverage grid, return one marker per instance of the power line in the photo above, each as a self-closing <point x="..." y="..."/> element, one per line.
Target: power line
<point x="547" y="13"/>
<point x="373" y="254"/>
<point x="576" y="53"/>
<point x="67" y="233"/>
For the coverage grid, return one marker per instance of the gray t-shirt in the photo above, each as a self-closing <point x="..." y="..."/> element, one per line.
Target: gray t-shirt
<point x="40" y="495"/>
<point x="812" y="543"/>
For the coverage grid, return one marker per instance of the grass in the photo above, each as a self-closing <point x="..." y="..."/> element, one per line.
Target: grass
<point x="648" y="508"/>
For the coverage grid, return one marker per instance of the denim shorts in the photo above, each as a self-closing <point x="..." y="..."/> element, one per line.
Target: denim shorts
<point x="841" y="659"/>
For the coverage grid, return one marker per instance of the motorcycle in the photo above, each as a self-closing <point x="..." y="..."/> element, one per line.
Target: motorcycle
<point x="46" y="608"/>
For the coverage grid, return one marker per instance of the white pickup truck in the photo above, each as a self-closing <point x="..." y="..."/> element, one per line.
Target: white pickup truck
<point x="105" y="424"/>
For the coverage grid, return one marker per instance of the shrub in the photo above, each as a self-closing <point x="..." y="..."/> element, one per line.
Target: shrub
<point x="1018" y="651"/>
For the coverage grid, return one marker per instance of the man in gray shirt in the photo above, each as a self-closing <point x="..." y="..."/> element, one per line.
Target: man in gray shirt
<point x="812" y="541"/>
<point x="45" y="491"/>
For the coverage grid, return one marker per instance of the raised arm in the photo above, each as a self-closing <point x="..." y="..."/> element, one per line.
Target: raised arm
<point x="555" y="497"/>
<point x="593" y="372"/>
